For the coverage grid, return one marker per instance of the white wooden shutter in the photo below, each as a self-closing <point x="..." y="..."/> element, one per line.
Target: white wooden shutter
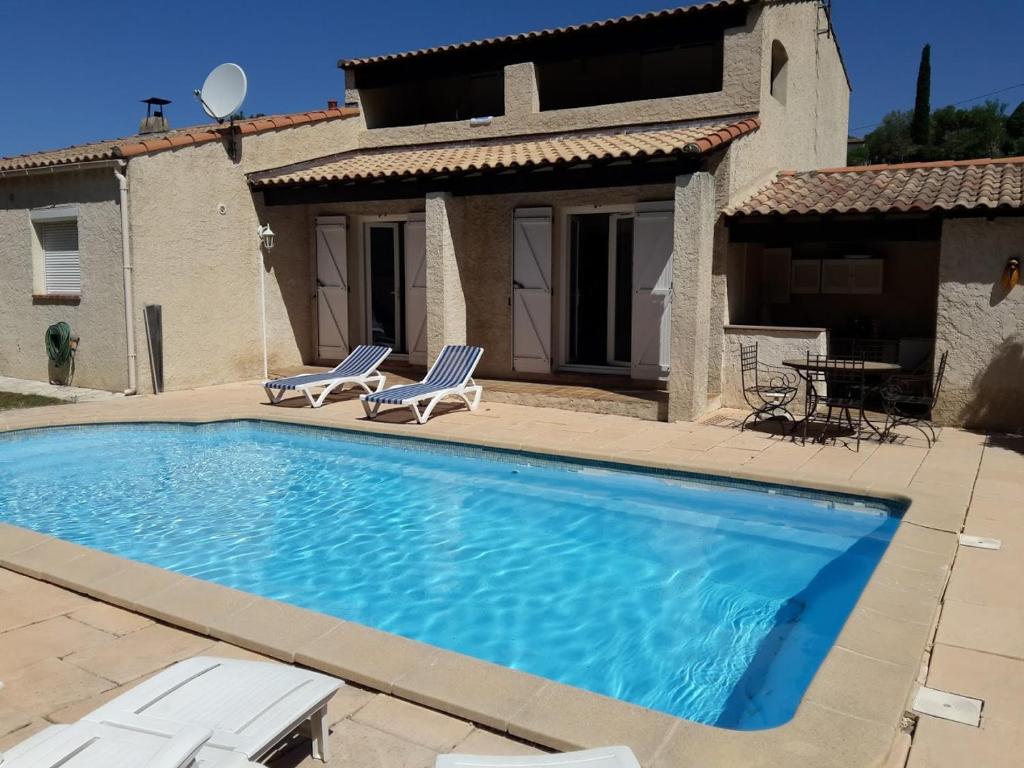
<point x="61" y="264"/>
<point x="416" y="288"/>
<point x="652" y="290"/>
<point x="531" y="290"/>
<point x="332" y="287"/>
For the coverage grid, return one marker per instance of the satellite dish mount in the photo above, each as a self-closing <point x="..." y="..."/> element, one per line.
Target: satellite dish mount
<point x="221" y="97"/>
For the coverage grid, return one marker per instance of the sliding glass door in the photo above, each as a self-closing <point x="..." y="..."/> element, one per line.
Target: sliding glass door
<point x="385" y="268"/>
<point x="600" y="289"/>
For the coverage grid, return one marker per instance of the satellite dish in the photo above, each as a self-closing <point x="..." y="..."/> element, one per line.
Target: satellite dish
<point x="223" y="92"/>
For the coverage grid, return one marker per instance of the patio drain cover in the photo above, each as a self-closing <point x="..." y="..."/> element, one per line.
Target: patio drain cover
<point x="980" y="542"/>
<point x="948" y="706"/>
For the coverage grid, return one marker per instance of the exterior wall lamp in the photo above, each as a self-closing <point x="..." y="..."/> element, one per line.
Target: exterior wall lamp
<point x="1011" y="274"/>
<point x="266" y="235"/>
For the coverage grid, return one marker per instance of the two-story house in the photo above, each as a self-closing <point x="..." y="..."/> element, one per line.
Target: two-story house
<point x="555" y="197"/>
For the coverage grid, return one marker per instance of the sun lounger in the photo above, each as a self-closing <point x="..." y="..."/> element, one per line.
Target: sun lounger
<point x="96" y="745"/>
<point x="603" y="757"/>
<point x="249" y="706"/>
<point x="358" y="369"/>
<point x="451" y="375"/>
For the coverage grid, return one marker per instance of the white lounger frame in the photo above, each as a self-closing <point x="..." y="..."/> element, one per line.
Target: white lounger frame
<point x="374" y="377"/>
<point x="293" y="698"/>
<point x="467" y="387"/>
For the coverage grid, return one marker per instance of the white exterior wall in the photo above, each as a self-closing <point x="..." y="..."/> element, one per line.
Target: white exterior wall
<point x="203" y="265"/>
<point x="981" y="324"/>
<point x="97" y="317"/>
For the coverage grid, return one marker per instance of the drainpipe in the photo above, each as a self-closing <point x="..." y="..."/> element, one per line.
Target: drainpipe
<point x="129" y="294"/>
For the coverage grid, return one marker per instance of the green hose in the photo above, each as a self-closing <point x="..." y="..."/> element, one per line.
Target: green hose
<point x="58" y="343"/>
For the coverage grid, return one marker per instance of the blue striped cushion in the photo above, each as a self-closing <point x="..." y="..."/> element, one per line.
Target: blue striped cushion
<point x="454" y="365"/>
<point x="361" y="361"/>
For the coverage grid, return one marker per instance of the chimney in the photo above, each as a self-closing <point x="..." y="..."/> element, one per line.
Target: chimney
<point x="154" y="121"/>
<point x="332" y="103"/>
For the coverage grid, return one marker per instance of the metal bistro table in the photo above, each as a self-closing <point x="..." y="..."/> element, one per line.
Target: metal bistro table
<point x="871" y="368"/>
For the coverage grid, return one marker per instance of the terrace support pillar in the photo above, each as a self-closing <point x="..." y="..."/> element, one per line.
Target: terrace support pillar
<point x="692" y="263"/>
<point x="446" y="302"/>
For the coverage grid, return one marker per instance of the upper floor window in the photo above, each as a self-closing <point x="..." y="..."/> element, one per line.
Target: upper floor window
<point x="679" y="70"/>
<point x="434" y="100"/>
<point x="780" y="71"/>
<point x="58" y="266"/>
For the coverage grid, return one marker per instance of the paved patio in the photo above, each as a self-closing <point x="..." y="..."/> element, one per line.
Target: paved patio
<point x="978" y="646"/>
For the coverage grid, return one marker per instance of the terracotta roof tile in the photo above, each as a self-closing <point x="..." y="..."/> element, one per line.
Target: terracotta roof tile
<point x="987" y="184"/>
<point x="539" y="34"/>
<point x="132" y="146"/>
<point x="637" y="142"/>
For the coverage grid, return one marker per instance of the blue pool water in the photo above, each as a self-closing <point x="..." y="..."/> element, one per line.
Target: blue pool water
<point x="711" y="602"/>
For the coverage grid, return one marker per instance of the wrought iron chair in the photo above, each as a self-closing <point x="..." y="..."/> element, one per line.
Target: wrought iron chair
<point x="767" y="389"/>
<point x="910" y="399"/>
<point x="838" y="384"/>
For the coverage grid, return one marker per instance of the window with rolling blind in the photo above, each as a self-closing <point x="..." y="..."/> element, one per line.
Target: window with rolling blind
<point x="62" y="272"/>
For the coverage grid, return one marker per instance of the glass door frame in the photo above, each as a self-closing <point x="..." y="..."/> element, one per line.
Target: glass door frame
<point x="615" y="212"/>
<point x="394" y="224"/>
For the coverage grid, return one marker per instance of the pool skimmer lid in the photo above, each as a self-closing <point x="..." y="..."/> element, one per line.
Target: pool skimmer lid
<point x="979" y="542"/>
<point x="948" y="706"/>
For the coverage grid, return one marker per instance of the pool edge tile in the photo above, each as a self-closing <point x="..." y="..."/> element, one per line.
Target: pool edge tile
<point x="271" y="627"/>
<point x="364" y="655"/>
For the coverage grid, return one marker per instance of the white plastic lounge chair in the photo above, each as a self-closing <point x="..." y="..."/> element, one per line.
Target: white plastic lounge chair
<point x="603" y="757"/>
<point x="95" y="745"/>
<point x="249" y="706"/>
<point x="451" y="375"/>
<point x="358" y="369"/>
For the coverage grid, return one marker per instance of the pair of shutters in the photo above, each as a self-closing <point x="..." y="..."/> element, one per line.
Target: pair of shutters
<point x="333" y="287"/>
<point x="62" y="271"/>
<point x="652" y="290"/>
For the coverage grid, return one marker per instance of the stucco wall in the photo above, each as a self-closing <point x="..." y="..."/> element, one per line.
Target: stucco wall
<point x="981" y="324"/>
<point x="98" y="317"/>
<point x="810" y="129"/>
<point x="193" y="225"/>
<point x="773" y="346"/>
<point x="739" y="94"/>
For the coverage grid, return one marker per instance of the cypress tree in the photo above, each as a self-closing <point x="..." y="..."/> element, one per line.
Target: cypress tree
<point x="920" y="127"/>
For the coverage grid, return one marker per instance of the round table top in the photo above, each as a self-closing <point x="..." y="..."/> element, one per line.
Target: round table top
<point x="870" y="366"/>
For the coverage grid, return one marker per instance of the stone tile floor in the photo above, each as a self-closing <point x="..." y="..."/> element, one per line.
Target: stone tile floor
<point x="63" y="654"/>
<point x="55" y="656"/>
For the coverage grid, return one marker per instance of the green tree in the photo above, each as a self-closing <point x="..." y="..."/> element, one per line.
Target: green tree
<point x="920" y="127"/>
<point x="964" y="134"/>
<point x="890" y="142"/>
<point x="1015" y="131"/>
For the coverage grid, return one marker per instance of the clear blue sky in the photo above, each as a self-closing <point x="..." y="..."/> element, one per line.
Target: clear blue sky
<point x="74" y="71"/>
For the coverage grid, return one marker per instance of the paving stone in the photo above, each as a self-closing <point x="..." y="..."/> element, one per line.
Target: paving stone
<point x="109" y="618"/>
<point x="54" y="637"/>
<point x="997" y="680"/>
<point x="129" y="657"/>
<point x="49" y="685"/>
<point x="36" y="602"/>
<point x="985" y="628"/>
<point x="863" y="687"/>
<point x="944" y="744"/>
<point x="24" y="731"/>
<point x="346" y="702"/>
<point x="413" y="723"/>
<point x="354" y="745"/>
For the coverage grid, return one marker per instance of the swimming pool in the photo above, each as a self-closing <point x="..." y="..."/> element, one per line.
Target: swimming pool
<point x="708" y="600"/>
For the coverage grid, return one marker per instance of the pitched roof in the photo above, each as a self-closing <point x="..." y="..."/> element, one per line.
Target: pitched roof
<point x="545" y="33"/>
<point x="990" y="184"/>
<point x="692" y="137"/>
<point x="132" y="146"/>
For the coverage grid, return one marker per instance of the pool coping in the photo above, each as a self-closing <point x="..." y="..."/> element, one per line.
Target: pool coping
<point x="849" y="715"/>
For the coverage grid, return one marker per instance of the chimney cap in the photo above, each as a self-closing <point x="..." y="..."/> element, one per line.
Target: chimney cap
<point x="332" y="103"/>
<point x="156" y="101"/>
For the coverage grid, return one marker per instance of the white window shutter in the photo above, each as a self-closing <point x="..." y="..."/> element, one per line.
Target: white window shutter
<point x="653" y="244"/>
<point x="416" y="288"/>
<point x="531" y="290"/>
<point x="332" y="287"/>
<point x="62" y="269"/>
